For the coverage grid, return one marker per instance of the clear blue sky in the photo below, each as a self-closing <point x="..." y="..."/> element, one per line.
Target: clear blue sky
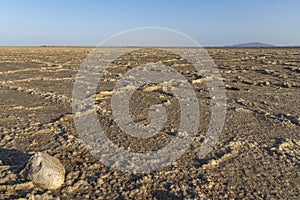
<point x="88" y="22"/>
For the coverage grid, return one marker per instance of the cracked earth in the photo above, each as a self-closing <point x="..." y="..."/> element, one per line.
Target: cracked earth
<point x="256" y="157"/>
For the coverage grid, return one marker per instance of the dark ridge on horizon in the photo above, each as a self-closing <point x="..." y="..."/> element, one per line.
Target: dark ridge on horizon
<point x="253" y="44"/>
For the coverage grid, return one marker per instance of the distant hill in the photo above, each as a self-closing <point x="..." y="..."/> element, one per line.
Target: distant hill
<point x="253" y="44"/>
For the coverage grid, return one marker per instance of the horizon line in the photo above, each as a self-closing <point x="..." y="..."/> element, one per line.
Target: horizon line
<point x="140" y="46"/>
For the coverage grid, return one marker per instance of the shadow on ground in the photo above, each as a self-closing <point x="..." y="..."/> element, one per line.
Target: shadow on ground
<point x="13" y="157"/>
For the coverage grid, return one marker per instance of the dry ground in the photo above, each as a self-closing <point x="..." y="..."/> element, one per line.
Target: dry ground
<point x="257" y="156"/>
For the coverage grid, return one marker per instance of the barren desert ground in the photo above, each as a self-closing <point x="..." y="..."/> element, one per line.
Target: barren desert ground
<point x="256" y="157"/>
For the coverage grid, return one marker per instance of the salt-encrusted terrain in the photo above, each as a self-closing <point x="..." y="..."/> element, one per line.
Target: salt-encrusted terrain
<point x="256" y="157"/>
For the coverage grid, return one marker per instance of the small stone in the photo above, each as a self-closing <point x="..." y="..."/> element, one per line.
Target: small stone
<point x="45" y="171"/>
<point x="287" y="85"/>
<point x="200" y="80"/>
<point x="267" y="83"/>
<point x="100" y="181"/>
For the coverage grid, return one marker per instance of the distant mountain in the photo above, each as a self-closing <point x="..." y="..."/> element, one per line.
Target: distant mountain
<point x="253" y="44"/>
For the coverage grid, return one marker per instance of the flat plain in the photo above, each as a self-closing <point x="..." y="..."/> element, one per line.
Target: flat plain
<point x="256" y="157"/>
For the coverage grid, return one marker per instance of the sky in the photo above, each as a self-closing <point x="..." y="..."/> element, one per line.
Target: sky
<point x="89" y="22"/>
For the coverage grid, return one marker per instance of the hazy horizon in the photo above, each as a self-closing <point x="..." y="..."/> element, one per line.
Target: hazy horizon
<point x="87" y="23"/>
<point x="229" y="45"/>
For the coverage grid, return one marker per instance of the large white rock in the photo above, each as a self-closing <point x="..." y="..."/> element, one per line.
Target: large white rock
<point x="45" y="171"/>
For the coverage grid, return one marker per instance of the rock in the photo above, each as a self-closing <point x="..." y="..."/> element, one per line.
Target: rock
<point x="287" y="85"/>
<point x="45" y="171"/>
<point x="267" y="83"/>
